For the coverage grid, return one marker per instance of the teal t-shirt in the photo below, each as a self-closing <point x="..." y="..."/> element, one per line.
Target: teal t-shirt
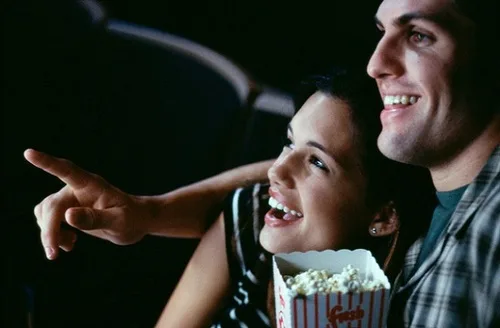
<point x="447" y="202"/>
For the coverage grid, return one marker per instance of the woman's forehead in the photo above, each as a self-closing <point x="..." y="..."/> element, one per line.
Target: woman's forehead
<point x="327" y="121"/>
<point x="323" y="111"/>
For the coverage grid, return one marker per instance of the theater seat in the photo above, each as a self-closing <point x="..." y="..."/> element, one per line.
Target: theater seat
<point x="266" y="127"/>
<point x="43" y="43"/>
<point x="147" y="110"/>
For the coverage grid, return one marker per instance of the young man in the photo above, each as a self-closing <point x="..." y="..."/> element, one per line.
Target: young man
<point x="436" y="69"/>
<point x="438" y="114"/>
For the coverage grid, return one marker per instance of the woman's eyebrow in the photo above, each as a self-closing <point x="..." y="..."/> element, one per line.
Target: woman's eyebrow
<point x="319" y="146"/>
<point x="314" y="144"/>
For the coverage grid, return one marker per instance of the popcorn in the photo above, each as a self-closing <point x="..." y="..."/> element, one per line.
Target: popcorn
<point x="334" y="289"/>
<point x="325" y="282"/>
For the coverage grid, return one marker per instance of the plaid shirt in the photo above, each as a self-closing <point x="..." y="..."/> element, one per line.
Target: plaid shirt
<point x="458" y="285"/>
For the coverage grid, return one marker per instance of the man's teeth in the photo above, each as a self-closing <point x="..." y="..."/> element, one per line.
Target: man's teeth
<point x="275" y="204"/>
<point x="400" y="99"/>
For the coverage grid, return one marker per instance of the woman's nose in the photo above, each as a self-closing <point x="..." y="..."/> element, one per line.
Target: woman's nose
<point x="282" y="171"/>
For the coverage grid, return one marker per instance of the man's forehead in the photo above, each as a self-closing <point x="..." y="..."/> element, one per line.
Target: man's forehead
<point x="390" y="10"/>
<point x="443" y="13"/>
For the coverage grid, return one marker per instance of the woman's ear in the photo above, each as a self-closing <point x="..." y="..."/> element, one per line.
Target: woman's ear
<point x="385" y="222"/>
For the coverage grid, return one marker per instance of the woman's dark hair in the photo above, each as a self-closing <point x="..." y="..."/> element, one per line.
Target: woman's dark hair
<point x="408" y="187"/>
<point x="361" y="94"/>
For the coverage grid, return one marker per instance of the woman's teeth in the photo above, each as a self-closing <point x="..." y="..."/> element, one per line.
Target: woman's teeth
<point x="277" y="205"/>
<point x="400" y="99"/>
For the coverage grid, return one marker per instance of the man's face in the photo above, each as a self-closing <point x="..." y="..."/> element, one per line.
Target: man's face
<point x="421" y="65"/>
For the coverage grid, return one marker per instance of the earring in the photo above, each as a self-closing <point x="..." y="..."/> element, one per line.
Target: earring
<point x="373" y="231"/>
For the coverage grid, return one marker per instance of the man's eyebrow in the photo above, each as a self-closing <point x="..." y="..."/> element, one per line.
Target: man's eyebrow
<point x="441" y="18"/>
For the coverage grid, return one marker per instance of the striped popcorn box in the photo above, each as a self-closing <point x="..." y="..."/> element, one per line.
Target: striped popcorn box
<point x="362" y="307"/>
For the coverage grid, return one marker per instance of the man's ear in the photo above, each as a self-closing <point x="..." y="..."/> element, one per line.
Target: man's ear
<point x="385" y="222"/>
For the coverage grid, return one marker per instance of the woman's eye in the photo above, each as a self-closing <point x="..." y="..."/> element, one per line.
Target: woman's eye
<point x="318" y="163"/>
<point x="288" y="143"/>
<point x="380" y="31"/>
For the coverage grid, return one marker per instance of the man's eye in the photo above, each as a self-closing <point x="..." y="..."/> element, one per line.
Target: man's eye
<point x="420" y="38"/>
<point x="318" y="163"/>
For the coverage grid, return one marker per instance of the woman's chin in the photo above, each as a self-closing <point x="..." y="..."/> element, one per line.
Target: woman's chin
<point x="274" y="243"/>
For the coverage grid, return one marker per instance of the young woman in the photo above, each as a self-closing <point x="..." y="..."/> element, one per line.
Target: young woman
<point x="330" y="188"/>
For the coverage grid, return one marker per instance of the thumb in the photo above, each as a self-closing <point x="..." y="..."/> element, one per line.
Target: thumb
<point x="85" y="218"/>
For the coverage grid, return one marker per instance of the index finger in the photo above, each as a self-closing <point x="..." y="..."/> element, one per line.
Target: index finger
<point x="65" y="170"/>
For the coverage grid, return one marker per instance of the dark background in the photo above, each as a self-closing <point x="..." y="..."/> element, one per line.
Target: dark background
<point x="278" y="42"/>
<point x="53" y="102"/>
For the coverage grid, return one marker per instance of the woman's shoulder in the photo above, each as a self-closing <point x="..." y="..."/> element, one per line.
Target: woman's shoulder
<point x="244" y="218"/>
<point x="248" y="203"/>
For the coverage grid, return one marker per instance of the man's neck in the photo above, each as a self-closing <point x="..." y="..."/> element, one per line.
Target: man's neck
<point x="464" y="166"/>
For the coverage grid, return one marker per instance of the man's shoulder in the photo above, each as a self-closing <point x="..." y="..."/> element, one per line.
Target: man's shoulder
<point x="480" y="236"/>
<point x="487" y="215"/>
<point x="478" y="212"/>
<point x="464" y="270"/>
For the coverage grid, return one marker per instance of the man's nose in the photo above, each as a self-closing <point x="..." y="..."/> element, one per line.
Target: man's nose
<point x="387" y="60"/>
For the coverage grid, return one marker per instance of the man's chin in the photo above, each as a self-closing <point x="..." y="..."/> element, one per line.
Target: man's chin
<point x="395" y="149"/>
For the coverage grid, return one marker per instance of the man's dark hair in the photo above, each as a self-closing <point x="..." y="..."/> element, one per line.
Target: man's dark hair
<point x="486" y="58"/>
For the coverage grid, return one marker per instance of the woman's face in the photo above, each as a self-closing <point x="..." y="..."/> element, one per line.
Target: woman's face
<point x="317" y="186"/>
